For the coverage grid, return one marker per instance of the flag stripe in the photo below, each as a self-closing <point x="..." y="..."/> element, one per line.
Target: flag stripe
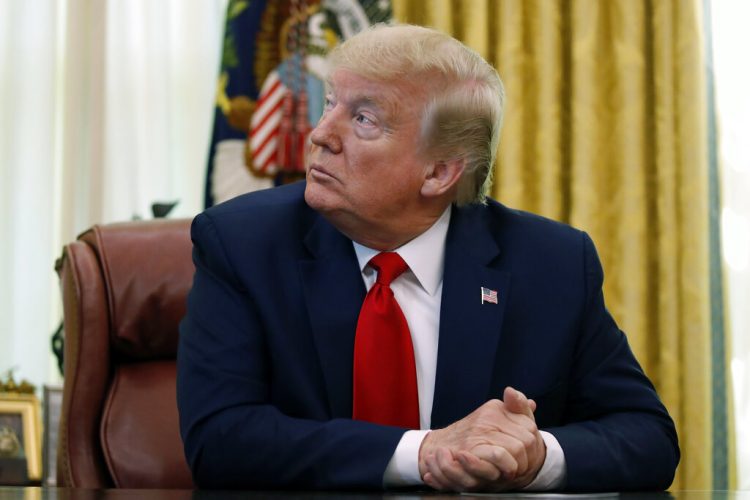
<point x="262" y="155"/>
<point x="260" y="135"/>
<point x="267" y="104"/>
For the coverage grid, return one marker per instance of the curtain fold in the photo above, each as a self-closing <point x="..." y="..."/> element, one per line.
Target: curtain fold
<point x="605" y="129"/>
<point x="105" y="108"/>
<point x="28" y="66"/>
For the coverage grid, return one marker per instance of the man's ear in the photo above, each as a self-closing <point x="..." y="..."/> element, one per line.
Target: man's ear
<point x="441" y="176"/>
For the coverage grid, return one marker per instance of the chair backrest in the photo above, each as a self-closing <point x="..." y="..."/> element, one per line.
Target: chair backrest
<point x="124" y="289"/>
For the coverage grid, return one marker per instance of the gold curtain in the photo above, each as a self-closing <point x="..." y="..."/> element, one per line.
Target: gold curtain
<point x="605" y="129"/>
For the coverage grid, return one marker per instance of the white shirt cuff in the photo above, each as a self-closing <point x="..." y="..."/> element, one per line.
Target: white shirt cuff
<point x="553" y="472"/>
<point x="403" y="468"/>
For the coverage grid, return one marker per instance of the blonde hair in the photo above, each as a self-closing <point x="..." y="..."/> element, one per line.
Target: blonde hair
<point x="463" y="115"/>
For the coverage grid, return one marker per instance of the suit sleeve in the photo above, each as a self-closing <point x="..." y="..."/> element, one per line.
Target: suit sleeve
<point x="234" y="437"/>
<point x="618" y="436"/>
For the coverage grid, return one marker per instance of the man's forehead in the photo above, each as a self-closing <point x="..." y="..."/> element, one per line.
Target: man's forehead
<point x="359" y="88"/>
<point x="356" y="88"/>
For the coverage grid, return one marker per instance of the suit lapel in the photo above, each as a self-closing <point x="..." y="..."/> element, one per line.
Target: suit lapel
<point x="469" y="329"/>
<point x="334" y="292"/>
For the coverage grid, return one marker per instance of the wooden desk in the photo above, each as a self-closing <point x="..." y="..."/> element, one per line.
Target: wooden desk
<point x="35" y="493"/>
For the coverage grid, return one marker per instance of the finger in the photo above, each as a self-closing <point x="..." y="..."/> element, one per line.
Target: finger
<point x="514" y="424"/>
<point x="500" y="457"/>
<point x="430" y="481"/>
<point x="523" y="442"/>
<point x="436" y="473"/>
<point x="532" y="404"/>
<point x="516" y="446"/>
<point x="460" y="479"/>
<point x="477" y="467"/>
<point x="516" y="402"/>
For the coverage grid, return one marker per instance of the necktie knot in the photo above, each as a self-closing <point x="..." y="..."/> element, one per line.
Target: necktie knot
<point x="389" y="266"/>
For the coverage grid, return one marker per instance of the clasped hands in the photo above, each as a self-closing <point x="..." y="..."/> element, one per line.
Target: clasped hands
<point x="495" y="448"/>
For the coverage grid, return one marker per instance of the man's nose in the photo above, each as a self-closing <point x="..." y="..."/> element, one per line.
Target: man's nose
<point x="326" y="133"/>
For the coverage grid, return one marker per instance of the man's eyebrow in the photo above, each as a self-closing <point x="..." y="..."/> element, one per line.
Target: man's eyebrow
<point x="366" y="99"/>
<point x="359" y="99"/>
<point x="381" y="103"/>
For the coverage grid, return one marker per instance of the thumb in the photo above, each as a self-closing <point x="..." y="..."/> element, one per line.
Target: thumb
<point x="516" y="402"/>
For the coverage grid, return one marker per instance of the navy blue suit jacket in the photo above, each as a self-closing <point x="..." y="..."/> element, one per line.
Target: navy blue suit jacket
<point x="265" y="354"/>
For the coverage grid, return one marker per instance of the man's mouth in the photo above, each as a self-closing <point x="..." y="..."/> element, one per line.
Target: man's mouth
<point x="317" y="172"/>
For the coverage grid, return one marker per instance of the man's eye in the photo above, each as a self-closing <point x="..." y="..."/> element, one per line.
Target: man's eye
<point x="327" y="103"/>
<point x="363" y="119"/>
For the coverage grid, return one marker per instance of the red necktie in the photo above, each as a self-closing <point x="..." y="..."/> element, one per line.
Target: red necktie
<point x="385" y="376"/>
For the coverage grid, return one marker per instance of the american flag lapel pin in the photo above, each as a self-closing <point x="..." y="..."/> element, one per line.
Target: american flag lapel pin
<point x="489" y="296"/>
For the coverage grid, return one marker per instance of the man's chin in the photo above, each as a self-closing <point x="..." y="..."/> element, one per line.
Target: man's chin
<point x="319" y="198"/>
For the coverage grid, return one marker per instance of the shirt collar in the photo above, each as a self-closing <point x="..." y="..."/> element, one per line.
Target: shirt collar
<point x="424" y="255"/>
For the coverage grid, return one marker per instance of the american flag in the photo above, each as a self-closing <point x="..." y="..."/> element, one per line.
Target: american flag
<point x="489" y="296"/>
<point x="264" y="125"/>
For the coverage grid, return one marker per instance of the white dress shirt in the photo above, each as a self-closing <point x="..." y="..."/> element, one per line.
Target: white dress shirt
<point x="418" y="292"/>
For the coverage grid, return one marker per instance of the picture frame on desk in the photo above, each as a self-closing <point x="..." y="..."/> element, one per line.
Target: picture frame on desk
<point x="20" y="439"/>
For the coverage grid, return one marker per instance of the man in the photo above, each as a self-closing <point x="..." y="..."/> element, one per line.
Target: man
<point x="333" y="323"/>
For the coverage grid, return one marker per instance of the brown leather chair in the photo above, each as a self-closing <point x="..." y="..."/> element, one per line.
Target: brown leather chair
<point x="124" y="288"/>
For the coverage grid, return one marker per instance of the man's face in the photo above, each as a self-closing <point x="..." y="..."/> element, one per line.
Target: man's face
<point x="365" y="166"/>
